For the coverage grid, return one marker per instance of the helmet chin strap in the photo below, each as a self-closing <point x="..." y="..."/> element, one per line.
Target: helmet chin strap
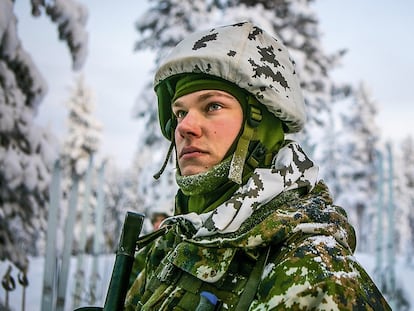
<point x="253" y="118"/>
<point x="167" y="157"/>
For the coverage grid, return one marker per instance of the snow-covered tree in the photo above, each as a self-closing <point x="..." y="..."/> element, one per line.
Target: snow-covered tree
<point x="121" y="193"/>
<point x="408" y="172"/>
<point x="356" y="169"/>
<point x="404" y="198"/>
<point x="154" y="194"/>
<point x="169" y="21"/>
<point x="296" y="24"/>
<point x="331" y="155"/>
<point x="84" y="130"/>
<point x="27" y="151"/>
<point x="79" y="147"/>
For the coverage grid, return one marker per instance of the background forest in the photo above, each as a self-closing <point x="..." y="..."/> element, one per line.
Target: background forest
<point x="62" y="195"/>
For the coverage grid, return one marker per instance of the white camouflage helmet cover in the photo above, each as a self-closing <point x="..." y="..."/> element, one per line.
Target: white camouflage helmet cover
<point x="247" y="56"/>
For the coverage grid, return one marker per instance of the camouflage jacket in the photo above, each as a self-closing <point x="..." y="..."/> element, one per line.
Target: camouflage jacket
<point x="301" y="243"/>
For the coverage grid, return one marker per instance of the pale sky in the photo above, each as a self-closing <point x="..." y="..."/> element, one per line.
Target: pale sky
<point x="377" y="34"/>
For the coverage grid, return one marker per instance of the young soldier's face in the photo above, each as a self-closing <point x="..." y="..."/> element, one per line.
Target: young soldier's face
<point x="208" y="122"/>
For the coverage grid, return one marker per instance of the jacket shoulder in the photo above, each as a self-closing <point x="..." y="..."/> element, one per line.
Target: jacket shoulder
<point x="317" y="271"/>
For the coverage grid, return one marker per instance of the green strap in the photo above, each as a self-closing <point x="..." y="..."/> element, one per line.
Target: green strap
<point x="253" y="282"/>
<point x="239" y="156"/>
<point x="148" y="238"/>
<point x="253" y="119"/>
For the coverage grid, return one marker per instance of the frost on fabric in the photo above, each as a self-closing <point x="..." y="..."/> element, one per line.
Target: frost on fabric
<point x="335" y="234"/>
<point x="254" y="241"/>
<point x="346" y="275"/>
<point x="267" y="270"/>
<point x="310" y="227"/>
<point x="328" y="241"/>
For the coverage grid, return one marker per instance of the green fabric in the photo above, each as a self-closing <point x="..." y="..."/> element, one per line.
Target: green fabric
<point x="204" y="182"/>
<point x="204" y="191"/>
<point x="253" y="282"/>
<point x="193" y="83"/>
<point x="270" y="132"/>
<point x="165" y="114"/>
<point x="206" y="201"/>
<point x="303" y="271"/>
<point x="240" y="154"/>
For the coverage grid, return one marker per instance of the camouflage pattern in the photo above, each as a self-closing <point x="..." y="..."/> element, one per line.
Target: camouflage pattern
<point x="291" y="169"/>
<point x="287" y="215"/>
<point x="243" y="54"/>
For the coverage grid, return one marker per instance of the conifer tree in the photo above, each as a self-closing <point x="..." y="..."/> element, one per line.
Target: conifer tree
<point x="84" y="130"/>
<point x="121" y="195"/>
<point x="404" y="198"/>
<point x="80" y="144"/>
<point x="408" y="154"/>
<point x="356" y="171"/>
<point x="27" y="151"/>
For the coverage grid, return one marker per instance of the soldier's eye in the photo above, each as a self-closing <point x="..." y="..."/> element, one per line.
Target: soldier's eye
<point x="214" y="106"/>
<point x="180" y="114"/>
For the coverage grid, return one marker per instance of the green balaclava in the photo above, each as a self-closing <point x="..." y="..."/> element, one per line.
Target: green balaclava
<point x="259" y="139"/>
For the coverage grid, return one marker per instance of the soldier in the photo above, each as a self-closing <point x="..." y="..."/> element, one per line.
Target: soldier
<point x="160" y="211"/>
<point x="254" y="228"/>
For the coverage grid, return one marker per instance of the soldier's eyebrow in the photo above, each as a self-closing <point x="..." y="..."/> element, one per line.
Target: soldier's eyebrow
<point x="205" y="96"/>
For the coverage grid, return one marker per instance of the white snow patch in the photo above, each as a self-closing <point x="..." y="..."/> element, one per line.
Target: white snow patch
<point x="329" y="241"/>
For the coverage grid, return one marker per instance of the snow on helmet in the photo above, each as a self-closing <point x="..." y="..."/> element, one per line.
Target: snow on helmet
<point x="243" y="54"/>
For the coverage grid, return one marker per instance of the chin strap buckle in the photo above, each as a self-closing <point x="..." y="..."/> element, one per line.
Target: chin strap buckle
<point x="254" y="115"/>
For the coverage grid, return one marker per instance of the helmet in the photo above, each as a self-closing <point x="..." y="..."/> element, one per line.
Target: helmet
<point x="242" y="54"/>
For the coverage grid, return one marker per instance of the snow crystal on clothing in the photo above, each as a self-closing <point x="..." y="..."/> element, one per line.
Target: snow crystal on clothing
<point x="253" y="241"/>
<point x="267" y="270"/>
<point x="344" y="274"/>
<point x="329" y="241"/>
<point x="283" y="159"/>
<point x="309" y="227"/>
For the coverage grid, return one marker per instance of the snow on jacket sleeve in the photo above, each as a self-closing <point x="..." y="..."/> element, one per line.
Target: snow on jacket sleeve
<point x="316" y="273"/>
